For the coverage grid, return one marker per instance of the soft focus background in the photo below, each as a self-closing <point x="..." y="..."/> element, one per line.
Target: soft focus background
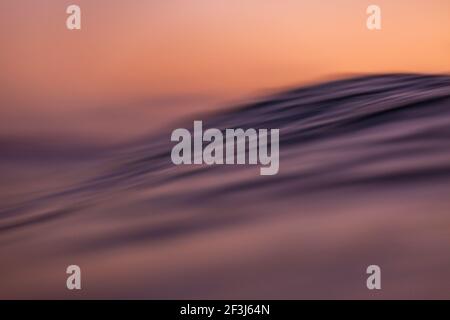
<point x="86" y="178"/>
<point x="141" y="60"/>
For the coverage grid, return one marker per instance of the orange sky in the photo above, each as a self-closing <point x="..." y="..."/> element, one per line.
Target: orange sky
<point x="143" y="50"/>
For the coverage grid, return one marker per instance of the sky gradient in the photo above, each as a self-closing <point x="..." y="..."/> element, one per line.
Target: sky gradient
<point x="168" y="57"/>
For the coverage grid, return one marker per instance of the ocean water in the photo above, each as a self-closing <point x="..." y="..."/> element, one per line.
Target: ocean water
<point x="364" y="179"/>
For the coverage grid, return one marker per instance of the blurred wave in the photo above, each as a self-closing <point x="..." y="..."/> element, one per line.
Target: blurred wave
<point x="364" y="179"/>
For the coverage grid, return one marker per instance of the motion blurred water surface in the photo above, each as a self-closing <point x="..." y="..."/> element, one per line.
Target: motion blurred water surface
<point x="364" y="179"/>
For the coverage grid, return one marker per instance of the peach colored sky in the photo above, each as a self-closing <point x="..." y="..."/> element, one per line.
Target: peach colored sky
<point x="142" y="50"/>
